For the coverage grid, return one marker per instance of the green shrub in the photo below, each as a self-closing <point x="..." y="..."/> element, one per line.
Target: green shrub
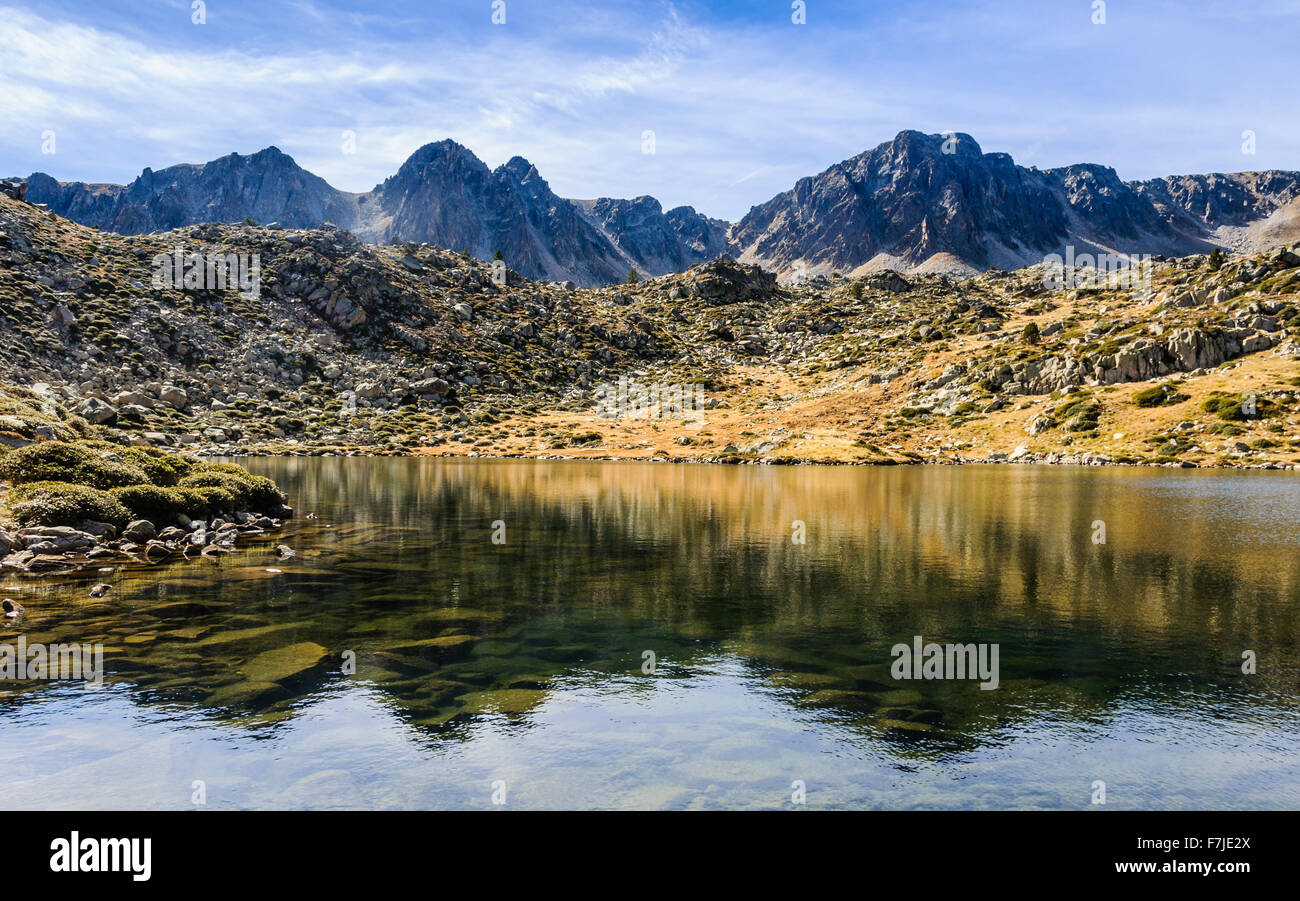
<point x="1078" y="415"/>
<point x="61" y="504"/>
<point x="1150" y="397"/>
<point x="1232" y="407"/>
<point x="161" y="467"/>
<point x="161" y="506"/>
<point x="1158" y="396"/>
<point x="1226" y="407"/>
<point x="195" y="502"/>
<point x="56" y="461"/>
<point x="251" y="493"/>
<point x="217" y="500"/>
<point x="139" y="482"/>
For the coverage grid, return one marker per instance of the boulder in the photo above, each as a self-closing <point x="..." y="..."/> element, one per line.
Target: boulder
<point x="1194" y="348"/>
<point x="140" y="531"/>
<point x="45" y="563"/>
<point x="175" y="397"/>
<point x="431" y="386"/>
<point x="15" y="188"/>
<point x="96" y="411"/>
<point x="57" y="540"/>
<point x="99" y="529"/>
<point x="156" y="550"/>
<point x="1256" y="342"/>
<point x="134" y="398"/>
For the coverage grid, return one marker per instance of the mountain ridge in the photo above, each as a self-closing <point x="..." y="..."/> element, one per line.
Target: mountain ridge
<point x="915" y="203"/>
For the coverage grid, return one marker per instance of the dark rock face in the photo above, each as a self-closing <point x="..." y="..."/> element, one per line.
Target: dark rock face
<point x="909" y="198"/>
<point x="659" y="242"/>
<point x="445" y="195"/>
<point x="1110" y="208"/>
<point x="1188" y="201"/>
<point x="266" y="186"/>
<point x="702" y="237"/>
<point x="919" y="195"/>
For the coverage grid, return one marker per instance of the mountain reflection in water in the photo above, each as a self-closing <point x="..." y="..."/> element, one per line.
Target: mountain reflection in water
<point x="523" y="661"/>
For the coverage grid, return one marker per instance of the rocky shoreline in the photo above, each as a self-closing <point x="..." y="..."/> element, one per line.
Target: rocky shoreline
<point x="1028" y="458"/>
<point x="58" y="550"/>
<point x="1018" y="456"/>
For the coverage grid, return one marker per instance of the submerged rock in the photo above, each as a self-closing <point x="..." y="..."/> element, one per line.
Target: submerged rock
<point x="506" y="700"/>
<point x="283" y="664"/>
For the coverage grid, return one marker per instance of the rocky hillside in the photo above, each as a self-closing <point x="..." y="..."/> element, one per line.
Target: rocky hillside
<point x="349" y="346"/>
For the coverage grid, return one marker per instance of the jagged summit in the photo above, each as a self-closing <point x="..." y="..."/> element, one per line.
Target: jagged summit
<point x="927" y="202"/>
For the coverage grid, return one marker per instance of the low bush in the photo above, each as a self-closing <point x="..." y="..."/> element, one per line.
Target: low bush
<point x="61" y="504"/>
<point x="1238" y="407"/>
<point x="1158" y="396"/>
<point x="161" y="506"/>
<point x="65" y="483"/>
<point x="251" y="493"/>
<point x="57" y="461"/>
<point x="159" y="466"/>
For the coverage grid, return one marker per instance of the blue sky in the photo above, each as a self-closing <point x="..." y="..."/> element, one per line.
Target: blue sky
<point x="742" y="102"/>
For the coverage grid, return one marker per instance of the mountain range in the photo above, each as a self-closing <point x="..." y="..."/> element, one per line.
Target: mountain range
<point x="916" y="203"/>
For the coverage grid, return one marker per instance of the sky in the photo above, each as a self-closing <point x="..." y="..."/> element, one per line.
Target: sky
<point x="741" y="101"/>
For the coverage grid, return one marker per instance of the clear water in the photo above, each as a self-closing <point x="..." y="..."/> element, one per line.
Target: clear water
<point x="1118" y="662"/>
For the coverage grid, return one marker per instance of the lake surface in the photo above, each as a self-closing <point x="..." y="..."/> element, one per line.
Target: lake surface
<point x="486" y="669"/>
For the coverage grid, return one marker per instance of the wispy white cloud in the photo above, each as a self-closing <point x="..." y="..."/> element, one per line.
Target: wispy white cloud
<point x="741" y="105"/>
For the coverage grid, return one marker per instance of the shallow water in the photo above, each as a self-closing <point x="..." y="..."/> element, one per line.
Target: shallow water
<point x="517" y="668"/>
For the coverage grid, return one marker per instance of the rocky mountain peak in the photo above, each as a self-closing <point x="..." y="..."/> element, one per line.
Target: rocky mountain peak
<point x="928" y="201"/>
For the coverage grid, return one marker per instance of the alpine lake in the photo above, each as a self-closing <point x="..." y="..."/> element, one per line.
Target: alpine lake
<point x="470" y="633"/>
